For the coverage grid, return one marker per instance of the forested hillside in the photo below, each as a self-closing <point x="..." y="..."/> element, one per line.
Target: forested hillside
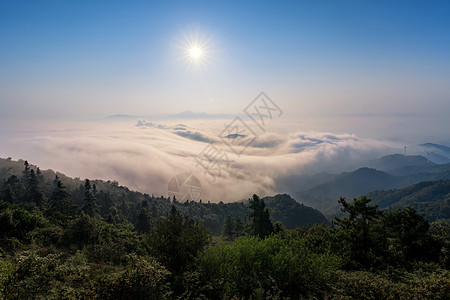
<point x="429" y="197"/>
<point x="99" y="240"/>
<point x="121" y="205"/>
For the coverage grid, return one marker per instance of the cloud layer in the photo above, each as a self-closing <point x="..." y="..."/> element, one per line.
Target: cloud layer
<point x="145" y="156"/>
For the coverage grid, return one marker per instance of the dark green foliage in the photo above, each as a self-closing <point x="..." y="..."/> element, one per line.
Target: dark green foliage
<point x="440" y="235"/>
<point x="33" y="192"/>
<point x="10" y="189"/>
<point x="228" y="228"/>
<point x="175" y="240"/>
<point x="273" y="267"/>
<point x="46" y="277"/>
<point x="291" y="213"/>
<point x="143" y="218"/>
<point x="356" y="229"/>
<point x="261" y="224"/>
<point x="141" y="279"/>
<point x="432" y="198"/>
<point x="404" y="237"/>
<point x="81" y="254"/>
<point x="105" y="202"/>
<point x="238" y="227"/>
<point x="433" y="284"/>
<point x="60" y="203"/>
<point x="18" y="223"/>
<point x="81" y="231"/>
<point x="90" y="206"/>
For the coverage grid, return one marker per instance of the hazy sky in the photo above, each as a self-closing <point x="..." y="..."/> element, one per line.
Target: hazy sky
<point x="89" y="59"/>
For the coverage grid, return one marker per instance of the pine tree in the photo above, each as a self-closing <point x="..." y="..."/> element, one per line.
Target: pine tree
<point x="34" y="193"/>
<point x="228" y="228"/>
<point x="26" y="171"/>
<point x="39" y="175"/>
<point x="356" y="228"/>
<point x="261" y="224"/>
<point x="90" y="202"/>
<point x="238" y="227"/>
<point x="143" y="223"/>
<point x="8" y="193"/>
<point x="105" y="202"/>
<point x="176" y="240"/>
<point x="154" y="212"/>
<point x="60" y="200"/>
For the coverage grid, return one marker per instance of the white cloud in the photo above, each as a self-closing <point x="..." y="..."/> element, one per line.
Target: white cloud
<point x="146" y="157"/>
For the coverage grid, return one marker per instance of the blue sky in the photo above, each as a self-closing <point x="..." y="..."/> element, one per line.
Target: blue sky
<point x="88" y="59"/>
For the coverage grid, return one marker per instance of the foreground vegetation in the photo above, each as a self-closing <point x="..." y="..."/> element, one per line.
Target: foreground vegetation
<point x="54" y="248"/>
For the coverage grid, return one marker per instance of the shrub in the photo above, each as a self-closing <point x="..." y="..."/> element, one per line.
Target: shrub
<point x="142" y="279"/>
<point x="272" y="264"/>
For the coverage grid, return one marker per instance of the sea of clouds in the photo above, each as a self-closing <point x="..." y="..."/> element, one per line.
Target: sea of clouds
<point x="145" y="155"/>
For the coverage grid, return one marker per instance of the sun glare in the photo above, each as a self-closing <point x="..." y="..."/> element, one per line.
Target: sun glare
<point x="195" y="52"/>
<point x="197" y="49"/>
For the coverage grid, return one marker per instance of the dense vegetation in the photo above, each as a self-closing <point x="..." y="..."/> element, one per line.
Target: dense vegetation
<point x="432" y="198"/>
<point x="83" y="243"/>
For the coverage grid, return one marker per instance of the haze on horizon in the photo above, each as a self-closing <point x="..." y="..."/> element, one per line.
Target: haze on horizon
<point x="354" y="80"/>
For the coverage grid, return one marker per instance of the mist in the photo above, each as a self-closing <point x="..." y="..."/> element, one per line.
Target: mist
<point x="145" y="155"/>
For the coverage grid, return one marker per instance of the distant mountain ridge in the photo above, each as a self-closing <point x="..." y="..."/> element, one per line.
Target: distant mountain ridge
<point x="389" y="172"/>
<point x="401" y="164"/>
<point x="201" y="115"/>
<point x="437" y="153"/>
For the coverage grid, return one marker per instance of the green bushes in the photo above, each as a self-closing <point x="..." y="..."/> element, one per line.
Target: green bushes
<point x="34" y="276"/>
<point x="142" y="279"/>
<point x="272" y="266"/>
<point x="395" y="255"/>
<point x="394" y="285"/>
<point x="31" y="276"/>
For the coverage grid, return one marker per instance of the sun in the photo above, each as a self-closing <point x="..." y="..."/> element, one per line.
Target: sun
<point x="195" y="52"/>
<point x="197" y="49"/>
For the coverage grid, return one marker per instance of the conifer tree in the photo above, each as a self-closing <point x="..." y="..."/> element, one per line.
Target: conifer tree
<point x="33" y="192"/>
<point x="228" y="228"/>
<point x="143" y="218"/>
<point x="60" y="200"/>
<point x="261" y="224"/>
<point x="90" y="206"/>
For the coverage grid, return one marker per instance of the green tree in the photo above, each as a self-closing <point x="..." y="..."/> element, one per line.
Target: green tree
<point x="261" y="224"/>
<point x="228" y="228"/>
<point x="9" y="189"/>
<point x="26" y="170"/>
<point x="105" y="202"/>
<point x="143" y="223"/>
<point x="404" y="237"/>
<point x="7" y="222"/>
<point x="60" y="200"/>
<point x="82" y="231"/>
<point x="355" y="229"/>
<point x="238" y="227"/>
<point x="33" y="192"/>
<point x="90" y="206"/>
<point x="176" y="240"/>
<point x="440" y="232"/>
